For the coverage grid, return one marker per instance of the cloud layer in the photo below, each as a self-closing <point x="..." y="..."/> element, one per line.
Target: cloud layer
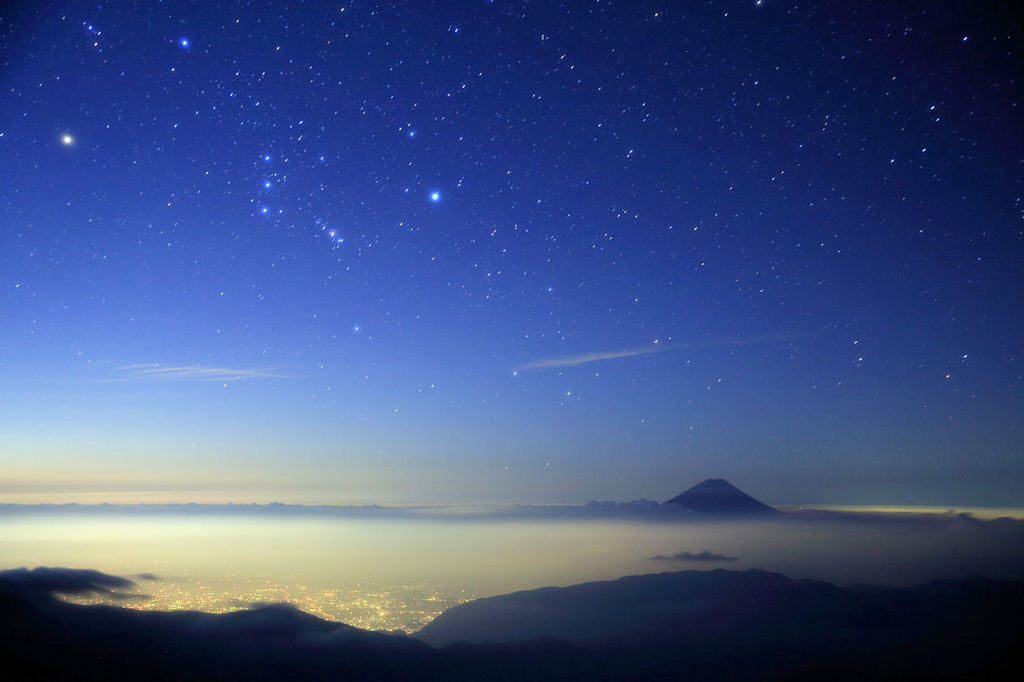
<point x="690" y="556"/>
<point x="62" y="580"/>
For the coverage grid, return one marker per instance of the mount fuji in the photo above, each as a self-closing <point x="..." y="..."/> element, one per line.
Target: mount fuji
<point x="718" y="496"/>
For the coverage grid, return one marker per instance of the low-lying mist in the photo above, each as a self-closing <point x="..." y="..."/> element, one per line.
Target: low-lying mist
<point x="222" y="558"/>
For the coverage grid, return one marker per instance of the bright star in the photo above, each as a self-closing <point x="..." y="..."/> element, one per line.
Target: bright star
<point x="435" y="196"/>
<point x="67" y="140"/>
<point x="184" y="42"/>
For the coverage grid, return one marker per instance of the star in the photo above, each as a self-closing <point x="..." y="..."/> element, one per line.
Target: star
<point x="185" y="43"/>
<point x="435" y="197"/>
<point x="67" y="140"/>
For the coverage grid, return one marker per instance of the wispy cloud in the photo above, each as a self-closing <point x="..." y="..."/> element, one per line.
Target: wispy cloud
<point x="583" y="358"/>
<point x="157" y="371"/>
<point x="573" y="360"/>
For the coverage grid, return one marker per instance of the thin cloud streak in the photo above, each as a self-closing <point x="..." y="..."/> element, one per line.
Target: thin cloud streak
<point x="584" y="358"/>
<point x="156" y="371"/>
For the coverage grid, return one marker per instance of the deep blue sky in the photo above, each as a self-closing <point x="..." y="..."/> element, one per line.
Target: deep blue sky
<point x="514" y="251"/>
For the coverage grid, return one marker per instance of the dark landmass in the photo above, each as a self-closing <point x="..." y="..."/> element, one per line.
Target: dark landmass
<point x="44" y="638"/>
<point x="692" y="625"/>
<point x="716" y="496"/>
<point x="756" y="625"/>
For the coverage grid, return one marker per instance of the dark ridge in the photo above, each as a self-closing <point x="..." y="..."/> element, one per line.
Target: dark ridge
<point x="755" y="625"/>
<point x="694" y="625"/>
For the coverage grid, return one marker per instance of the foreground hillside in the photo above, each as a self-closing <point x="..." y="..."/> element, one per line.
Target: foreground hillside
<point x="693" y="625"/>
<point x="747" y="623"/>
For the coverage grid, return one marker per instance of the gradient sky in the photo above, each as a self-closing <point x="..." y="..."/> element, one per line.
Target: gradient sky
<point x="511" y="251"/>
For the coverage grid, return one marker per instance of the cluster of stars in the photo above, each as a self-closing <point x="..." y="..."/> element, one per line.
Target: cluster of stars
<point x="494" y="187"/>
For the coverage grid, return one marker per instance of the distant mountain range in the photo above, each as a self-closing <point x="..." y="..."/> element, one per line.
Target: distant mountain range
<point x="719" y="497"/>
<point x="692" y="625"/>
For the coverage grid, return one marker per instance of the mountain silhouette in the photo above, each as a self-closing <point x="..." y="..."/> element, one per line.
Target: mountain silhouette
<point x="756" y="625"/>
<point x="694" y="625"/>
<point x="718" y="496"/>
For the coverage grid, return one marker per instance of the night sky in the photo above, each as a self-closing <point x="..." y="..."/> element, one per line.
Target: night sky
<point x="511" y="251"/>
